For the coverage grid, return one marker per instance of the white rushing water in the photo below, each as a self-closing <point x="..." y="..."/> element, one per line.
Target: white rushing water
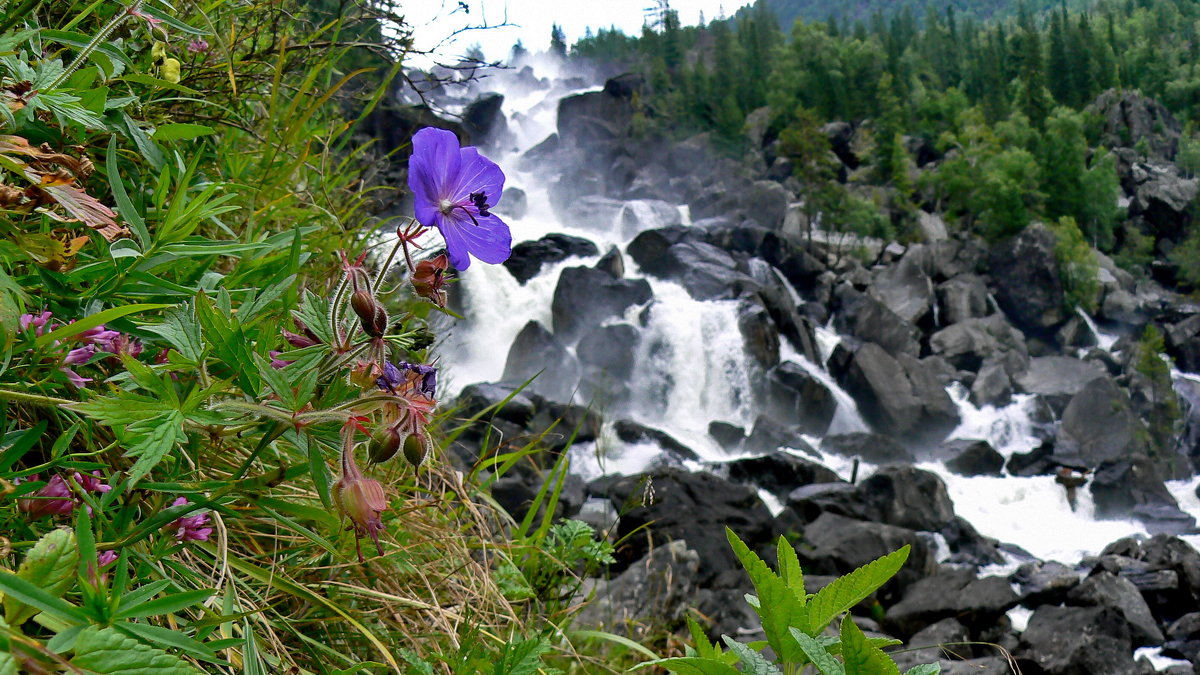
<point x="692" y="369"/>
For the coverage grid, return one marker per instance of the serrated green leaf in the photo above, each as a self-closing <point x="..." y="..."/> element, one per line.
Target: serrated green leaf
<point x="851" y="589"/>
<point x="789" y="567"/>
<point x="180" y="328"/>
<point x="277" y="380"/>
<point x="179" y="131"/>
<point x="704" y="648"/>
<point x="691" y="665"/>
<point x="859" y="657"/>
<point x="108" y="651"/>
<point x="314" y="313"/>
<point x="925" y="669"/>
<point x="160" y="436"/>
<point x="122" y="410"/>
<point x="778" y="606"/>
<point x="817" y="653"/>
<point x="752" y="662"/>
<point x="523" y="657"/>
<point x="50" y="564"/>
<point x="73" y="329"/>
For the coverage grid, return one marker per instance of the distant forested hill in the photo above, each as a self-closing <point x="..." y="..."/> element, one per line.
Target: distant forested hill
<point x="851" y="11"/>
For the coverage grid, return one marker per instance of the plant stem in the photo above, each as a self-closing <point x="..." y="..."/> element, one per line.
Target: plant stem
<point x="95" y="43"/>
<point x="36" y="399"/>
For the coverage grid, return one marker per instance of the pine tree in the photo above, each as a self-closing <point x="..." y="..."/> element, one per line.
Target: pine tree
<point x="558" y="40"/>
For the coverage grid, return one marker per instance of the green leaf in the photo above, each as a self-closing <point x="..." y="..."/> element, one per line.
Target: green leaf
<point x="73" y="329"/>
<point x="168" y="604"/>
<point x="851" y="589"/>
<point x="180" y="328"/>
<point x="925" y="669"/>
<point x="80" y="40"/>
<point x="8" y="664"/>
<point x="35" y="597"/>
<point x="108" y="651"/>
<point x="277" y="380"/>
<point x="17" y="443"/>
<point x="859" y="657"/>
<point x="752" y="662"/>
<point x="816" y="653"/>
<point x="122" y="410"/>
<point x="125" y="207"/>
<point x="181" y="132"/>
<point x="164" y="432"/>
<point x="149" y="150"/>
<point x="521" y="658"/>
<point x="166" y="637"/>
<point x="789" y="567"/>
<point x="51" y="565"/>
<point x="691" y="665"/>
<point x="704" y="648"/>
<point x="778" y="606"/>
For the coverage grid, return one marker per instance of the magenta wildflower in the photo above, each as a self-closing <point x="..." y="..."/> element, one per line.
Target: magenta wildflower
<point x="79" y="355"/>
<point x="100" y="337"/>
<point x="277" y="362"/>
<point x="453" y="188"/>
<point x="38" y="322"/>
<point x="190" y="528"/>
<point x="57" y="497"/>
<point x="78" y="381"/>
<point x="106" y="558"/>
<point x="198" y="45"/>
<point x="124" y="345"/>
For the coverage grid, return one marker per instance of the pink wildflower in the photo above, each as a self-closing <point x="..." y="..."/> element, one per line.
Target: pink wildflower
<point x="190" y="528"/>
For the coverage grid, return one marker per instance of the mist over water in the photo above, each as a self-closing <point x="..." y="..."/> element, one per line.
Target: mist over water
<point x="692" y="368"/>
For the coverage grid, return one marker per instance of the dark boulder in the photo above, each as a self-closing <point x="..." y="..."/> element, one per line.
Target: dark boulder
<point x="655" y="591"/>
<point x="625" y="85"/>
<point x="537" y="354"/>
<point x="559" y="424"/>
<point x="612" y="262"/>
<point x="594" y="119"/>
<point x="528" y="257"/>
<point x="899" y="398"/>
<point x="1164" y="568"/>
<point x="867" y="318"/>
<point x="584" y="298"/>
<point x="633" y="432"/>
<point x="961" y="298"/>
<point x="838" y="545"/>
<point x="971" y="343"/>
<point x="836" y="496"/>
<point x="779" y="472"/>
<point x="969" y="547"/>
<point x="1130" y="117"/>
<point x="841" y="141"/>
<point x="484" y="119"/>
<point x="905" y="287"/>
<point x="768" y="435"/>
<point x="957" y="593"/>
<point x="871" y="448"/>
<point x="672" y="504"/>
<point x="992" y="386"/>
<point x="1109" y="590"/>
<point x="1044" y="583"/>
<point x="1077" y="641"/>
<point x="907" y="497"/>
<point x="1024" y="273"/>
<point x="1133" y="488"/>
<point x="1099" y="424"/>
<point x="729" y="436"/>
<point x="971" y="458"/>
<point x="795" y="396"/>
<point x="612" y="348"/>
<point x="1057" y="379"/>
<point x="1162" y="198"/>
<point x="759" y="334"/>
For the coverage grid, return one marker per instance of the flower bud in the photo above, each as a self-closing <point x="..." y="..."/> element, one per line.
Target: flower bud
<point x="361" y="500"/>
<point x="385" y="442"/>
<point x="417" y="447"/>
<point x="170" y="70"/>
<point x="429" y="279"/>
<point x="370" y="313"/>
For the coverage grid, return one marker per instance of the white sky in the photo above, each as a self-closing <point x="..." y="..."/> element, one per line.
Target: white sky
<point x="433" y="20"/>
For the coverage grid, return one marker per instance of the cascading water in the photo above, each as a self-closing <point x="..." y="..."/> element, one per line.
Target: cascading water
<point x="692" y="368"/>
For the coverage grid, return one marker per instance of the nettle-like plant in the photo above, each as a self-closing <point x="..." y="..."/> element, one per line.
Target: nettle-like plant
<point x="796" y="624"/>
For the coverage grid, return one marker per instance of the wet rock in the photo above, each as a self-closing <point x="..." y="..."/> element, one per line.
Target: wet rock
<point x="868" y="319"/>
<point x="519" y="409"/>
<point x="759" y="334"/>
<point x="950" y="593"/>
<point x="612" y="348"/>
<point x="1130" y="117"/>
<point x="871" y="448"/>
<point x="970" y="343"/>
<point x="767" y="203"/>
<point x="513" y="203"/>
<point x="655" y="591"/>
<point x="1024" y="272"/>
<point x="1133" y="488"/>
<point x="1108" y="590"/>
<point x="1077" y="641"/>
<point x="1057" y="379"/>
<point x="1165" y="569"/>
<point x="838" y="545"/>
<point x="971" y="458"/>
<point x="673" y="504"/>
<point x="591" y="212"/>
<point x="769" y="435"/>
<point x="796" y="397"/>
<point x="1037" y="462"/>
<point x="969" y="547"/>
<point x="1162" y="199"/>
<point x="1044" y="583"/>
<point x="904" y="287"/>
<point x="639" y="215"/>
<point x="961" y="298"/>
<point x="1099" y="425"/>
<point x="729" y="436"/>
<point x="485" y="120"/>
<point x="595" y="118"/>
<point x="633" y="432"/>
<point x="536" y="353"/>
<point x="992" y="386"/>
<point x="898" y="398"/>
<point x="1076" y="334"/>
<point x="779" y="472"/>
<point x="528" y="257"/>
<point x="612" y="262"/>
<point x="907" y="497"/>
<point x="586" y="297"/>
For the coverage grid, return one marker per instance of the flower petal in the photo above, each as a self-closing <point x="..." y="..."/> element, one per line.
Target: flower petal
<point x="490" y="241"/>
<point x="456" y="243"/>
<point x="432" y="169"/>
<point x="477" y="174"/>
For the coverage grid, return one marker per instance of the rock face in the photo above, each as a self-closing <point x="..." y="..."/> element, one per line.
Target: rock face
<point x="796" y="397"/>
<point x="657" y="591"/>
<point x="528" y="257"/>
<point x="907" y="497"/>
<point x="1057" y="379"/>
<point x="595" y="117"/>
<point x="971" y="343"/>
<point x="1099" y="425"/>
<point x="586" y="297"/>
<point x="1132" y="487"/>
<point x="484" y="119"/>
<point x="1077" y="641"/>
<point x="838" y="545"/>
<point x="538" y="354"/>
<point x="1026" y="282"/>
<point x="976" y="603"/>
<point x="1130" y="118"/>
<point x="897" y="398"/>
<point x="1108" y="590"/>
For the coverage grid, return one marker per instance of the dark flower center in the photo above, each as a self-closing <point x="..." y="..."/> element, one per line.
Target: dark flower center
<point x="479" y="199"/>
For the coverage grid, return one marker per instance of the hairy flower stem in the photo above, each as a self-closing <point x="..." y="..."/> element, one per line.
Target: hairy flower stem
<point x="36" y="399"/>
<point x="378" y="283"/>
<point x="94" y="44"/>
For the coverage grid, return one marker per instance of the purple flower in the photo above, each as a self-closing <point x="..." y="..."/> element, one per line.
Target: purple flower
<point x="38" y="322"/>
<point x="277" y="362"/>
<point x="57" y="498"/>
<point x="79" y="355"/>
<point x="76" y="380"/>
<point x="105" y="558"/>
<point x="99" y="336"/>
<point x="453" y="188"/>
<point x="198" y="45"/>
<point x="190" y="528"/>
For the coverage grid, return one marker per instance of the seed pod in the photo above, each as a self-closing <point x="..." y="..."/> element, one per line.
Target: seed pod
<point x="170" y="70"/>
<point x="370" y="313"/>
<point x="417" y="447"/>
<point x="385" y="442"/>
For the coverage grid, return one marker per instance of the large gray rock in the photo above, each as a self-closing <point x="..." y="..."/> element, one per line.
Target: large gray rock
<point x="992" y="386"/>
<point x="779" y="472"/>
<point x="1024" y="273"/>
<point x="796" y="397"/>
<point x="1163" y="198"/>
<point x="1057" y="379"/>
<point x="536" y="353"/>
<point x="528" y="257"/>
<point x="957" y="593"/>
<point x="1130" y="117"/>
<point x="1108" y="590"/>
<point x="1132" y="487"/>
<point x="584" y="298"/>
<point x="961" y="298"/>
<point x="907" y="497"/>
<point x="759" y="334"/>
<point x="594" y="118"/>
<point x="656" y="590"/>
<point x="899" y="398"/>
<point x="485" y="120"/>
<point x="1077" y="641"/>
<point x="1099" y="425"/>
<point x="905" y="287"/>
<point x="867" y="318"/>
<point x="970" y="342"/>
<point x="838" y="545"/>
<point x="871" y="448"/>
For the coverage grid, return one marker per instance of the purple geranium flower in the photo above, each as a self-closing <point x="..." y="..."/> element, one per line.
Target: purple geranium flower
<point x="453" y="189"/>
